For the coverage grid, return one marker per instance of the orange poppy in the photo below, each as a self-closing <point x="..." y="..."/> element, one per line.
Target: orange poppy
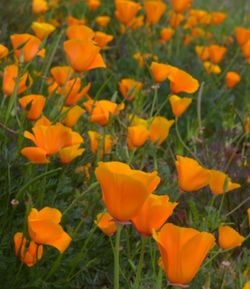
<point x="137" y="136"/>
<point x="105" y="222"/>
<point x="44" y="228"/>
<point x="36" y="104"/>
<point x="153" y="214"/>
<point x="93" y="4"/>
<point x="216" y="53"/>
<point x="229" y="238"/>
<point x="232" y="79"/>
<point x="4" y="51"/>
<point x="167" y="34"/>
<point x="159" y="129"/>
<point x="83" y="55"/>
<point x="102" y="39"/>
<point x="179" y="105"/>
<point x="242" y="35"/>
<point x="181" y="6"/>
<point x="182" y="251"/>
<point x="61" y="74"/>
<point x="103" y="21"/>
<point x="154" y="10"/>
<point x="42" y="29"/>
<point x="247" y="285"/>
<point x="75" y="21"/>
<point x="211" y="68"/>
<point x="191" y="175"/>
<point x="126" y="10"/>
<point x="96" y="140"/>
<point x="129" y="88"/>
<point x="175" y="19"/>
<point x="217" y="17"/>
<point x="202" y="52"/>
<point x="80" y="32"/>
<point x="124" y="190"/>
<point x="73" y="115"/>
<point x="39" y="6"/>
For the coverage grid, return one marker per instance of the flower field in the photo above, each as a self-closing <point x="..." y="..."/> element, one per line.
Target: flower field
<point x="125" y="144"/>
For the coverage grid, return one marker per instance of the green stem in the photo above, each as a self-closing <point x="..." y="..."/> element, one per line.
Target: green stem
<point x="117" y="257"/>
<point x="141" y="263"/>
<point x="154" y="101"/>
<point x="159" y="279"/>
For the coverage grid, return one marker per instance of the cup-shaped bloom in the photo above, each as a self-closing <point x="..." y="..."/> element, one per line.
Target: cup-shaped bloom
<point x="246" y="49"/>
<point x="83" y="55"/>
<point x="153" y="214"/>
<point x="39" y="6"/>
<point x="216" y="53"/>
<point x="221" y="183"/>
<point x="232" y="79"/>
<point x="137" y="136"/>
<point x="124" y="190"/>
<point x="42" y="29"/>
<point x="211" y="68"/>
<point x="98" y="143"/>
<point x="179" y="105"/>
<point x="61" y="74"/>
<point x="103" y="21"/>
<point x="73" y="114"/>
<point x="160" y="71"/>
<point x="26" y="46"/>
<point x="93" y="4"/>
<point x="35" y="102"/>
<point x="4" y="51"/>
<point x="75" y="21"/>
<point x="191" y="175"/>
<point x="182" y="251"/>
<point x="154" y="10"/>
<point x="80" y="32"/>
<point x="247" y="285"/>
<point x="10" y="77"/>
<point x="100" y="111"/>
<point x="102" y="39"/>
<point x="30" y="253"/>
<point x="159" y="129"/>
<point x="106" y="223"/>
<point x="44" y="228"/>
<point x="126" y="10"/>
<point x="175" y="19"/>
<point x="69" y="153"/>
<point x="202" y="52"/>
<point x="229" y="238"/>
<point x="129" y="88"/>
<point x="167" y="34"/>
<point x="218" y="17"/>
<point x="242" y="35"/>
<point x="180" y="6"/>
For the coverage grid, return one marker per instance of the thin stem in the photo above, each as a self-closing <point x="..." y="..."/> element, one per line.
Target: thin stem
<point x="117" y="257"/>
<point x="141" y="262"/>
<point x="159" y="279"/>
<point x="154" y="101"/>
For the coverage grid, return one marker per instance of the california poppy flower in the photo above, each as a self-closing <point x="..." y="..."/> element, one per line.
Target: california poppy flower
<point x="102" y="21"/>
<point x="181" y="6"/>
<point x="44" y="228"/>
<point x="175" y="19"/>
<point x="218" y="18"/>
<point x="30" y="253"/>
<point x="202" y="52"/>
<point x="211" y="68"/>
<point x="75" y="21"/>
<point x="129" y="88"/>
<point x="153" y="214"/>
<point x="83" y="55"/>
<point x="220" y="183"/>
<point x="191" y="175"/>
<point x="216" y="53"/>
<point x="159" y="129"/>
<point x="154" y="10"/>
<point x="179" y="105"/>
<point x="80" y="32"/>
<point x="42" y="29"/>
<point x="73" y="114"/>
<point x="247" y="285"/>
<point x="26" y="46"/>
<point x="10" y="76"/>
<point x="124" y="190"/>
<point x="61" y="74"/>
<point x="93" y="4"/>
<point x="69" y="153"/>
<point x="96" y="140"/>
<point x="242" y="35"/>
<point x="232" y="79"/>
<point x="182" y="251"/>
<point x="101" y="110"/>
<point x="126" y="10"/>
<point x="39" y="6"/>
<point x="229" y="238"/>
<point x="166" y="34"/>
<point x="36" y="103"/>
<point x="102" y="39"/>
<point x="4" y="51"/>
<point x="246" y="49"/>
<point x="105" y="222"/>
<point x="160" y="71"/>
<point x="137" y="136"/>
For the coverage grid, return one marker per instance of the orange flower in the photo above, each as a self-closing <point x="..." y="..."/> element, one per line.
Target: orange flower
<point x="96" y="140"/>
<point x="167" y="34"/>
<point x="69" y="153"/>
<point x="80" y="32"/>
<point x="242" y="35"/>
<point x="42" y="29"/>
<point x="73" y="115"/>
<point x="10" y="76"/>
<point x="182" y="251"/>
<point x="232" y="79"/>
<point x="216" y="53"/>
<point x="105" y="222"/>
<point x="160" y="71"/>
<point x="124" y="190"/>
<point x="159" y="129"/>
<point x="154" y="10"/>
<point x="218" y="18"/>
<point x="93" y="4"/>
<point x="61" y="74"/>
<point x="28" y="255"/>
<point x="191" y="175"/>
<point x="229" y="238"/>
<point x="83" y="55"/>
<point x="220" y="183"/>
<point x="4" y="51"/>
<point x="211" y="68"/>
<point x="26" y="46"/>
<point x="179" y="105"/>
<point x="153" y="214"/>
<point x="103" y="21"/>
<point x="247" y="125"/>
<point x="202" y="52"/>
<point x="101" y="110"/>
<point x="247" y="285"/>
<point x="102" y="39"/>
<point x="75" y="21"/>
<point x="126" y="10"/>
<point x="39" y="6"/>
<point x="137" y="136"/>
<point x="181" y="6"/>
<point x="246" y="49"/>
<point x="175" y="19"/>
<point x="129" y="88"/>
<point x="35" y="102"/>
<point x="44" y="228"/>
